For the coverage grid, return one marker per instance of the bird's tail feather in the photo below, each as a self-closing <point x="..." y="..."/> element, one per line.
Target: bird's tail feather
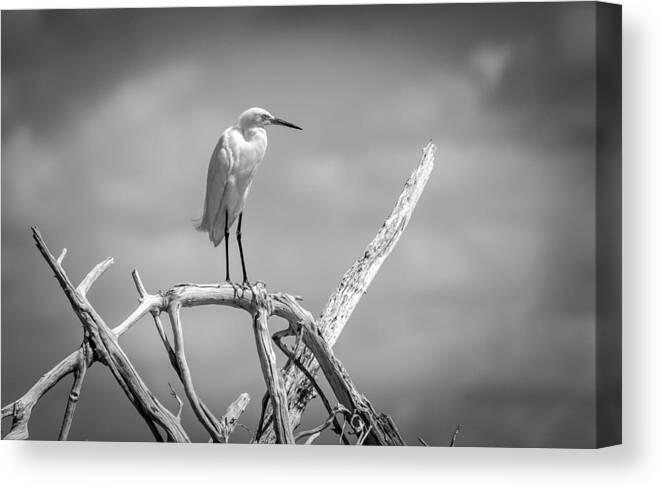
<point x="217" y="230"/>
<point x="200" y="224"/>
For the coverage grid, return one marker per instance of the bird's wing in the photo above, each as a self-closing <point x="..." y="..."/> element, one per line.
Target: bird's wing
<point x="219" y="167"/>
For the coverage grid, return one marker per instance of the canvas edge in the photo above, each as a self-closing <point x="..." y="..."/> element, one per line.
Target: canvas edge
<point x="608" y="333"/>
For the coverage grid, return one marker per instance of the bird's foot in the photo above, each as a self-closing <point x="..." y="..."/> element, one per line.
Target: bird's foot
<point x="239" y="290"/>
<point x="226" y="281"/>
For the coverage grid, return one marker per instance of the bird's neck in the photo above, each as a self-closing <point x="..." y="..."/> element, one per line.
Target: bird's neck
<point x="254" y="134"/>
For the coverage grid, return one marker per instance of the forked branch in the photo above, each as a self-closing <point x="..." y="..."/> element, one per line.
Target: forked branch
<point x="283" y="431"/>
<point x="353" y="286"/>
<point x="104" y="344"/>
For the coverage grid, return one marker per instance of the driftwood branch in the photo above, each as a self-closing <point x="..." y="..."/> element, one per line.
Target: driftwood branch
<point x="381" y="430"/>
<point x="455" y="434"/>
<point x="289" y="392"/>
<point x="359" y="276"/>
<point x="76" y="363"/>
<point x="92" y="276"/>
<point x="180" y="402"/>
<point x="200" y="409"/>
<point x="210" y="423"/>
<point x="74" y="395"/>
<point x="21" y="409"/>
<point x="353" y="286"/>
<point x="106" y="349"/>
<point x="332" y="411"/>
<point x="261" y="425"/>
<point x="230" y="420"/>
<point x="331" y="420"/>
<point x="281" y="305"/>
<point x="81" y="369"/>
<point x="277" y="393"/>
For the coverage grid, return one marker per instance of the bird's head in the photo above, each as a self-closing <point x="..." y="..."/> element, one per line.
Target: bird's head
<point x="258" y="117"/>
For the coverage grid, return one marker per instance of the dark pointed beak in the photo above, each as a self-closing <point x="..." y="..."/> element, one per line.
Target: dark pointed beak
<point x="277" y="121"/>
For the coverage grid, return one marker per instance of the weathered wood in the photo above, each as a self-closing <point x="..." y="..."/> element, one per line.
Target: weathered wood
<point x="180" y="402"/>
<point x="316" y="431"/>
<point x="21" y="409"/>
<point x="455" y="434"/>
<point x="230" y="420"/>
<point x="332" y="411"/>
<point x="282" y="305"/>
<point x="267" y="360"/>
<point x="76" y="363"/>
<point x="377" y="433"/>
<point x="353" y="286"/>
<point x="221" y="432"/>
<point x="358" y="277"/>
<point x="189" y="296"/>
<point x="382" y="429"/>
<point x="376" y="429"/>
<point x="92" y="276"/>
<point x="104" y="344"/>
<point x="74" y="395"/>
<point x="206" y="418"/>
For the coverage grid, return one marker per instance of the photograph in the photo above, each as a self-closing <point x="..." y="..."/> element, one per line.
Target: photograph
<point x="360" y="225"/>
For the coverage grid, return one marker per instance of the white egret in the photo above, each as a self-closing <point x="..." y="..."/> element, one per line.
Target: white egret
<point x="233" y="164"/>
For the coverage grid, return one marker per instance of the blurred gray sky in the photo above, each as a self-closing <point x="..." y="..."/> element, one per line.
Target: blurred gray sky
<point x="484" y="313"/>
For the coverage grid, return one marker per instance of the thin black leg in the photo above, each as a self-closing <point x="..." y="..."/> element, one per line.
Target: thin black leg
<point x="227" y="250"/>
<point x="238" y="239"/>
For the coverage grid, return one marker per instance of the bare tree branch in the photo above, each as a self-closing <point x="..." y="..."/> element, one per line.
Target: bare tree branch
<point x="277" y="339"/>
<point x="230" y="420"/>
<point x="180" y="402"/>
<point x="381" y="431"/>
<point x="453" y="441"/>
<point x="208" y="415"/>
<point x="104" y="344"/>
<point x="355" y="281"/>
<point x="250" y="299"/>
<point x="74" y="395"/>
<point x="327" y="423"/>
<point x="353" y="286"/>
<point x="281" y="424"/>
<point x="206" y="418"/>
<point x="21" y="409"/>
<point x="77" y="363"/>
<point x="142" y="292"/>
<point x="261" y="425"/>
<point x="93" y="275"/>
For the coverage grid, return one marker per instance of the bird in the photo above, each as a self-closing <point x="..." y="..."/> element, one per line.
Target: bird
<point x="234" y="162"/>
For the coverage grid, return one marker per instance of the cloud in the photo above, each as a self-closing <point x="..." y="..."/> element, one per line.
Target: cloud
<point x="30" y="171"/>
<point x="490" y="63"/>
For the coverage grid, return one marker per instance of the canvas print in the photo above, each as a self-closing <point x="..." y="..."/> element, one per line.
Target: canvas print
<point x="385" y="225"/>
